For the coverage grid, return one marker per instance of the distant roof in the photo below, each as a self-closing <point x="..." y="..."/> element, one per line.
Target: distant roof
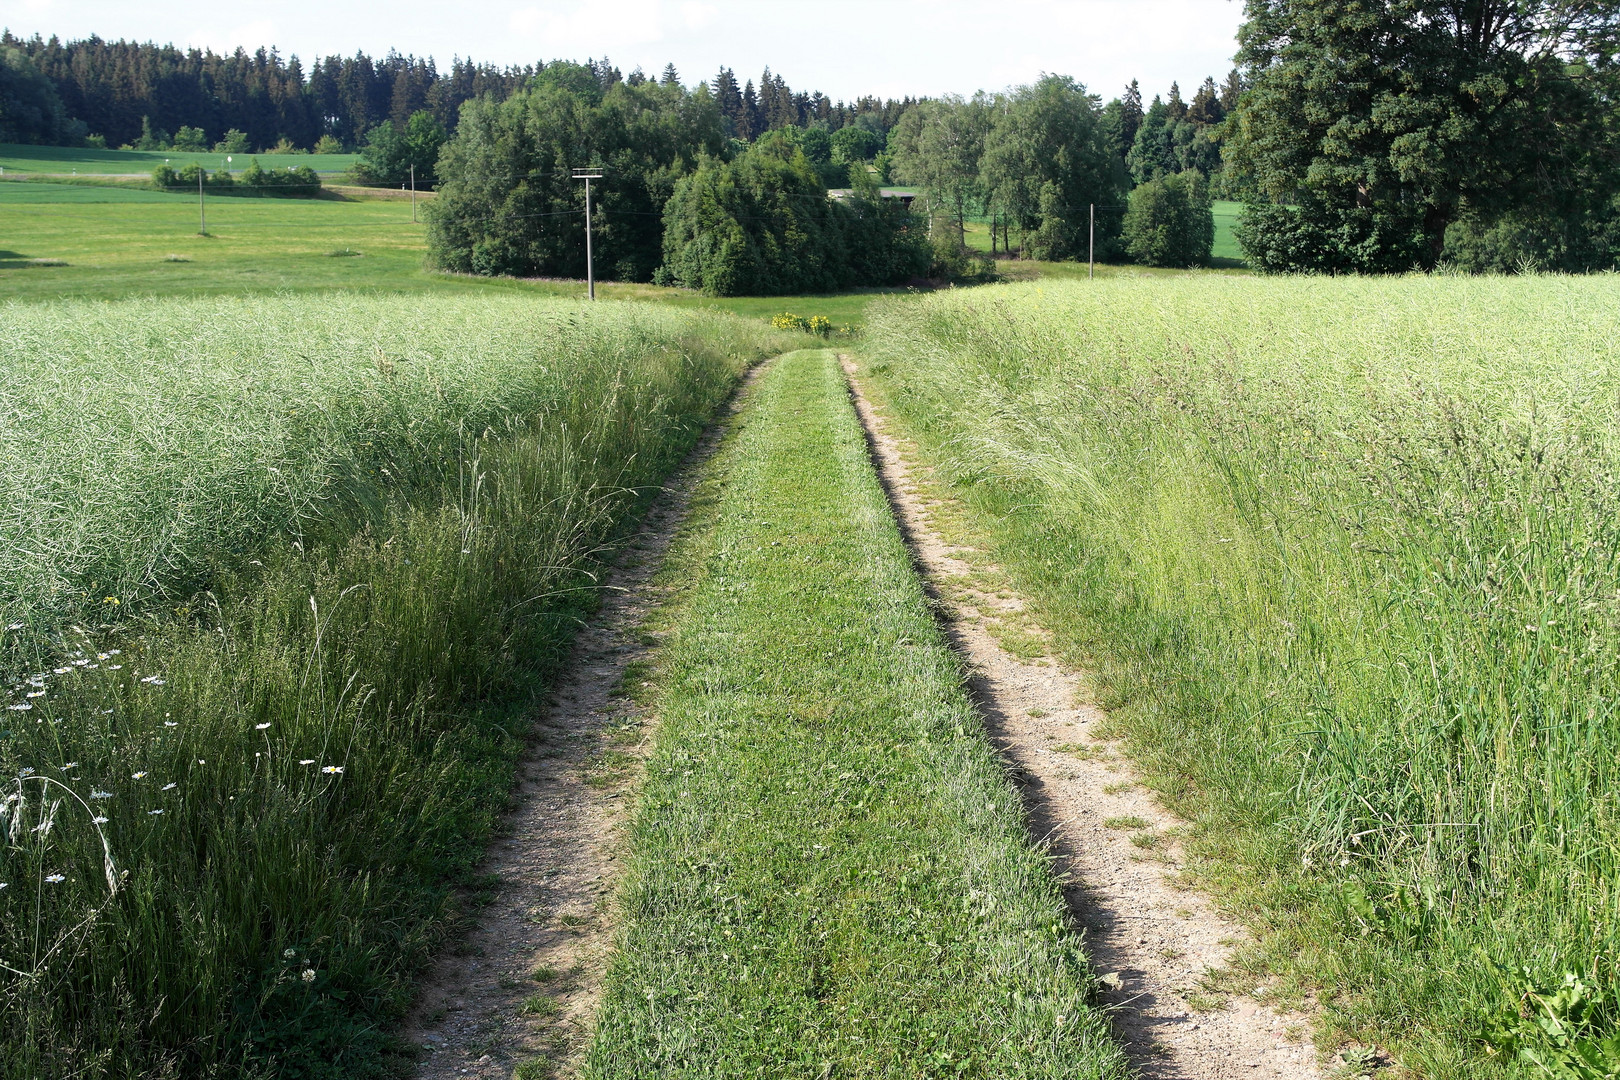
<point x="887" y="193"/>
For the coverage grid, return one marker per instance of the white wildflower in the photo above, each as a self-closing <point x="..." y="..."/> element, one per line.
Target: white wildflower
<point x="101" y="794"/>
<point x="168" y="787"/>
<point x="21" y="706"/>
<point x="260" y="727"/>
<point x="36" y="693"/>
<point x="55" y="879"/>
<point x="309" y="975"/>
<point x="331" y="770"/>
<point x="138" y="776"/>
<point x="98" y="820"/>
<point x="153" y="812"/>
<point x="153" y="680"/>
<point x="306" y="761"/>
<point x="171" y="723"/>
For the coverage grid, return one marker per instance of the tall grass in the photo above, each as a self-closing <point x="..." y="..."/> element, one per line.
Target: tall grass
<point x="284" y="575"/>
<point x="1344" y="554"/>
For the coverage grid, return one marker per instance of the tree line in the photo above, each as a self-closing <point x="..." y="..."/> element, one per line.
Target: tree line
<point x="125" y="93"/>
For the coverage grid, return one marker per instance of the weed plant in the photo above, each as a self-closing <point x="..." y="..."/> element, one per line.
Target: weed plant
<point x="282" y="578"/>
<point x="831" y="874"/>
<point x="1343" y="554"/>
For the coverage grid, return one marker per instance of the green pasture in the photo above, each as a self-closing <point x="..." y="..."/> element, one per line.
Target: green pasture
<point x="64" y="160"/>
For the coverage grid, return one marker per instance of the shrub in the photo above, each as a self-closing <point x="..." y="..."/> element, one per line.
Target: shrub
<point x="234" y="142"/>
<point x="819" y="325"/>
<point x="1169" y="222"/>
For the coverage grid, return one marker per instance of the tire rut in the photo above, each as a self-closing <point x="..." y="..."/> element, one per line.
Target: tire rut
<point x="1115" y="849"/>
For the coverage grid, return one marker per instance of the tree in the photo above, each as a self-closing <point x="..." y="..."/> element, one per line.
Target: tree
<point x="391" y="153"/>
<point x="762" y="225"/>
<point x="1366" y="130"/>
<point x="1047" y="161"/>
<point x="191" y="140"/>
<point x="1169" y="222"/>
<point x="508" y="203"/>
<point x="31" y="110"/>
<point x="937" y="145"/>
<point x="234" y="142"/>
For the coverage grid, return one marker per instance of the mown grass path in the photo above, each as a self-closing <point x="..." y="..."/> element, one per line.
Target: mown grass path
<point x="830" y="872"/>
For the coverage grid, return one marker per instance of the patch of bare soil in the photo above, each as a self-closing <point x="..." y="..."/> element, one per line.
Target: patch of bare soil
<point x="1157" y="943"/>
<point x="516" y="993"/>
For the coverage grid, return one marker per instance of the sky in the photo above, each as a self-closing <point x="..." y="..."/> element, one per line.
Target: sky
<point x="844" y="48"/>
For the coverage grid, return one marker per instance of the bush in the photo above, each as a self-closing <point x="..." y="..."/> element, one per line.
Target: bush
<point x="818" y="325"/>
<point x="1169" y="222"/>
<point x="326" y="144"/>
<point x="300" y="182"/>
<point x="1315" y="236"/>
<point x="234" y="142"/>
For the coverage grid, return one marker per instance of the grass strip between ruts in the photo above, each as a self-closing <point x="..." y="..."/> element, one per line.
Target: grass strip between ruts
<point x="830" y="872"/>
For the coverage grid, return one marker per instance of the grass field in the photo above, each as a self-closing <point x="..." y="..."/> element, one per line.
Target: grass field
<point x="282" y="577"/>
<point x="1226" y="253"/>
<point x="109" y="241"/>
<point x="830" y="872"/>
<point x="1341" y="554"/>
<point x="61" y="160"/>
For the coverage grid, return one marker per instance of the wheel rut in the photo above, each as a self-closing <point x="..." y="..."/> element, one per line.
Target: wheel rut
<point x="515" y="993"/>
<point x="1155" y="941"/>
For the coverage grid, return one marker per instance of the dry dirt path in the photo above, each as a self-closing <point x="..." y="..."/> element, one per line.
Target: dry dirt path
<point x="1109" y="835"/>
<point x="521" y="984"/>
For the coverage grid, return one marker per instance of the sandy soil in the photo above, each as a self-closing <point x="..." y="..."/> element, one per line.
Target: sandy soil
<point x="522" y="984"/>
<point x="1154" y="941"/>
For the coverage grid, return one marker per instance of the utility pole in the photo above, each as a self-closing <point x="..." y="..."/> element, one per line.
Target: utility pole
<point x="588" y="175"/>
<point x="202" y="209"/>
<point x="413" y="193"/>
<point x="1091" y="247"/>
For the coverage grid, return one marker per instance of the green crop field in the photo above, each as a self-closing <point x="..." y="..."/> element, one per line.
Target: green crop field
<point x="68" y="161"/>
<point x="1341" y="554"/>
<point x="282" y="577"/>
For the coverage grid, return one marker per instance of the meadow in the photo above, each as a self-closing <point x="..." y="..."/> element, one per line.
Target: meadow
<point x="1340" y="555"/>
<point x="284" y="577"/>
<point x="831" y="874"/>
<point x="110" y="241"/>
<point x="88" y="161"/>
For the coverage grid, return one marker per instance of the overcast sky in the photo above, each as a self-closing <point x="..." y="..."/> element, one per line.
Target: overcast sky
<point x="844" y="48"/>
